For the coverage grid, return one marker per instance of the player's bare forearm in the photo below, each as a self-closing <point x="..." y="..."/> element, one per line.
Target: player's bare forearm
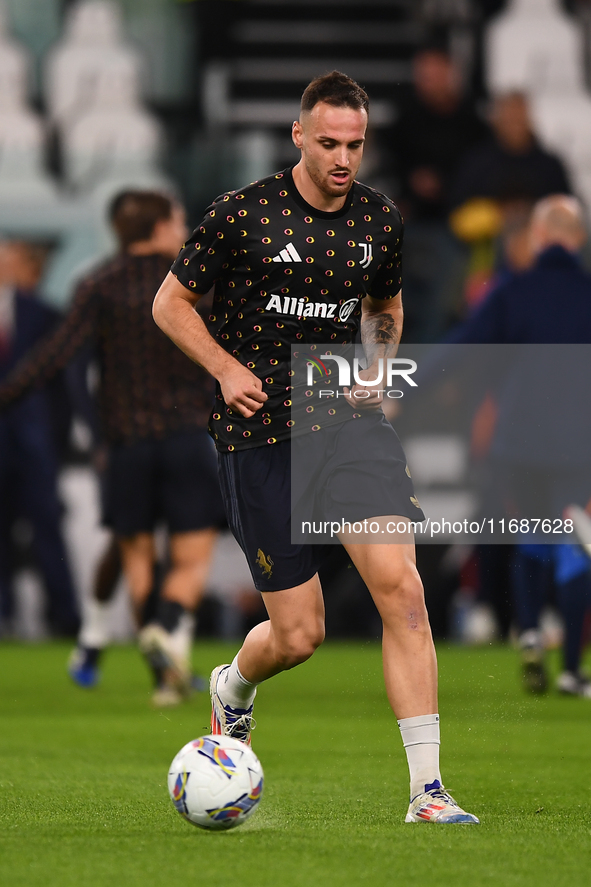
<point x="174" y="312"/>
<point x="381" y="327"/>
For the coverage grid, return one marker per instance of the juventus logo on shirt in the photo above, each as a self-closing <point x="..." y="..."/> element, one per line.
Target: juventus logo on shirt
<point x="367" y="254"/>
<point x="289" y="254"/>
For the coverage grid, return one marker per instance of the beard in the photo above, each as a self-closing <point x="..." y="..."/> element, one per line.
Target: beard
<point x="325" y="184"/>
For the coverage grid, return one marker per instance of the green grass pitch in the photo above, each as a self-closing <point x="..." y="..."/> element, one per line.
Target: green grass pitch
<point x="83" y="797"/>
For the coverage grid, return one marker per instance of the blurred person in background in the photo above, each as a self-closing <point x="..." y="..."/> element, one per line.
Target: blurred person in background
<point x="511" y="167"/>
<point x="29" y="442"/>
<point x="154" y="406"/>
<point x="549" y="303"/>
<point x="494" y="191"/>
<point x="435" y="128"/>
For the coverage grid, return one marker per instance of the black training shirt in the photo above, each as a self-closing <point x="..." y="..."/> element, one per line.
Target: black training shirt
<point x="287" y="273"/>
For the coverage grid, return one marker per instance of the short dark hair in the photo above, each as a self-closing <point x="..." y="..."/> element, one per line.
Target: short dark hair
<point x="134" y="214"/>
<point x="335" y="89"/>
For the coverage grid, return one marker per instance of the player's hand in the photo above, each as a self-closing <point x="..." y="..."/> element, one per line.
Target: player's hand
<point x="366" y="397"/>
<point x="242" y="390"/>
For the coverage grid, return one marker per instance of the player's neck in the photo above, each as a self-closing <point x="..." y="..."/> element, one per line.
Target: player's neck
<point x="312" y="193"/>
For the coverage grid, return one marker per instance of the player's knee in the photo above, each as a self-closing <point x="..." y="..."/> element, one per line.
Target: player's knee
<point x="301" y="644"/>
<point x="403" y="598"/>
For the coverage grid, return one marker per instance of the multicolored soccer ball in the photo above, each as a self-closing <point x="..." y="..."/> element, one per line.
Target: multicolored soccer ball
<point x="216" y="782"/>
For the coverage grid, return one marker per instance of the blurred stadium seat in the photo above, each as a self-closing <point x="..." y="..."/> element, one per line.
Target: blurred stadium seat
<point x="114" y="137"/>
<point x="93" y="46"/>
<point x="534" y="47"/>
<point x="15" y="63"/>
<point x="101" y="137"/>
<point x="22" y="136"/>
<point x="563" y="123"/>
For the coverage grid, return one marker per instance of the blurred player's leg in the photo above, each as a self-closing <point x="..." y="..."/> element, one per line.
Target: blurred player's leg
<point x="531" y="573"/>
<point x="533" y="568"/>
<point x="138" y="556"/>
<point x="190" y="555"/>
<point x="190" y="505"/>
<point x="84" y="662"/>
<point x="573" y="597"/>
<point x="166" y="641"/>
<point x="184" y="585"/>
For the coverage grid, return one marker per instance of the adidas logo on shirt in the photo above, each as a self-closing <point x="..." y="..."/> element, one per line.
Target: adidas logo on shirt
<point x="289" y="254"/>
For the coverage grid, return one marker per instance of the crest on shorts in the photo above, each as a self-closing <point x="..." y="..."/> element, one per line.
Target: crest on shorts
<point x="265" y="563"/>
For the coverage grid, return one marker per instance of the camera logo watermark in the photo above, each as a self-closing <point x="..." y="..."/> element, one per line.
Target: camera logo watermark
<point x="387" y="371"/>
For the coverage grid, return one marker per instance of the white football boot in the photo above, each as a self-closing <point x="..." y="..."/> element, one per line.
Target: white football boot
<point x="172" y="671"/>
<point x="437" y="805"/>
<point x="571" y="684"/>
<point x="225" y="720"/>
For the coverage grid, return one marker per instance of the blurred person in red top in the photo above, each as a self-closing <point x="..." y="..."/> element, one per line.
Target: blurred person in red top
<point x="154" y="405"/>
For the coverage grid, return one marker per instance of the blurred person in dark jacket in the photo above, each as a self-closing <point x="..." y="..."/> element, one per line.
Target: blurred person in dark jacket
<point x="435" y="128"/>
<point x="540" y="442"/>
<point x="511" y="167"/>
<point x="29" y="462"/>
<point x="154" y="406"/>
<point x="497" y="185"/>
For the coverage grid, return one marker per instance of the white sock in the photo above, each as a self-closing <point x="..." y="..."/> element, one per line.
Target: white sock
<point x="531" y="638"/>
<point x="181" y="639"/>
<point x="233" y="689"/>
<point x="420" y="737"/>
<point x="95" y="624"/>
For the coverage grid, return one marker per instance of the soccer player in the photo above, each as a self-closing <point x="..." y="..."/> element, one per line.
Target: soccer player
<point x="154" y="404"/>
<point x="315" y="234"/>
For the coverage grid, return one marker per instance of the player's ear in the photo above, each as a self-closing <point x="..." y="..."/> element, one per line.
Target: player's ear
<point x="297" y="133"/>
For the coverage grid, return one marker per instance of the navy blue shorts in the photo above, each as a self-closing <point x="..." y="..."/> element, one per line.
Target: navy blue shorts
<point x="353" y="471"/>
<point x="173" y="481"/>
